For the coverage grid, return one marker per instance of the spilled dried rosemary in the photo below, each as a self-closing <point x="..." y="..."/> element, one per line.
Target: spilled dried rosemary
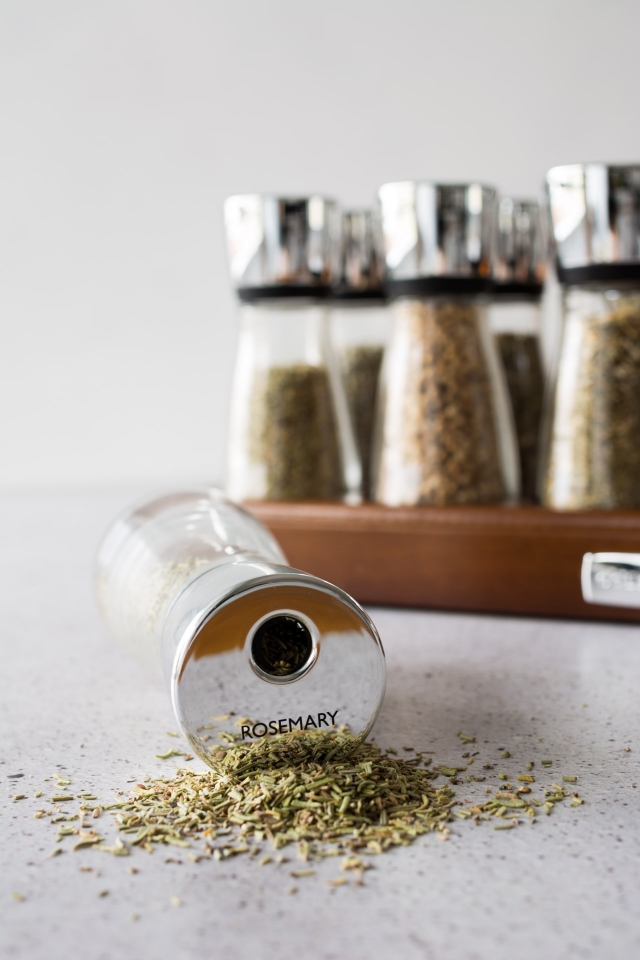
<point x="324" y="791"/>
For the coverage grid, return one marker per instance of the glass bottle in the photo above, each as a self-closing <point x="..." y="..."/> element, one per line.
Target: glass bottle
<point x="199" y="589"/>
<point x="290" y="436"/>
<point x="593" y="459"/>
<point x="516" y="322"/>
<point x="360" y="327"/>
<point x="444" y="427"/>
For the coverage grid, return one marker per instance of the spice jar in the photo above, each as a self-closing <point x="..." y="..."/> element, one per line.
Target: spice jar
<point x="249" y="648"/>
<point x="593" y="458"/>
<point x="290" y="436"/>
<point x="360" y="327"/>
<point x="444" y="427"/>
<point x="516" y="322"/>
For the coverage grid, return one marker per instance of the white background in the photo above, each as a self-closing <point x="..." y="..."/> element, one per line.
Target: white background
<point x="125" y="123"/>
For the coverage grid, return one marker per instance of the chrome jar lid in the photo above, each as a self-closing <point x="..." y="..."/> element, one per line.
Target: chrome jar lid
<point x="438" y="238"/>
<point x="282" y="246"/>
<point x="361" y="267"/>
<point x="520" y="261"/>
<point x="595" y="217"/>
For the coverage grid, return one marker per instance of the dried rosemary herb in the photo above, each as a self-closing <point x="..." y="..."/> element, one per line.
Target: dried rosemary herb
<point x="361" y="370"/>
<point x="326" y="791"/>
<point x="525" y="380"/>
<point x="440" y="443"/>
<point x="595" y="455"/>
<point x="299" y="436"/>
<point x="321" y="790"/>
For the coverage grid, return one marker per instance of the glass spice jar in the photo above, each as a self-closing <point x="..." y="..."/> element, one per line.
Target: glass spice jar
<point x="516" y="322"/>
<point x="198" y="589"/>
<point x="360" y="327"/>
<point x="444" y="427"/>
<point x="593" y="422"/>
<point x="290" y="436"/>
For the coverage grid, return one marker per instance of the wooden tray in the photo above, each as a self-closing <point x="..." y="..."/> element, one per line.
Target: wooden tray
<point x="523" y="560"/>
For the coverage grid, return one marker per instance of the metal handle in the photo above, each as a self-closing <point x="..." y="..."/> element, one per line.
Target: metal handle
<point x="611" y="578"/>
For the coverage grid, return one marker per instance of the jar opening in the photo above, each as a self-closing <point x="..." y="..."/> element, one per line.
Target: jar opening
<point x="281" y="646"/>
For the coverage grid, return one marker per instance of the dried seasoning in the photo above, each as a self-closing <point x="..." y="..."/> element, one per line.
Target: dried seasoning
<point x="525" y="380"/>
<point x="361" y="371"/>
<point x="595" y="455"/>
<point x="298" y="437"/>
<point x="326" y="791"/>
<point x="440" y="444"/>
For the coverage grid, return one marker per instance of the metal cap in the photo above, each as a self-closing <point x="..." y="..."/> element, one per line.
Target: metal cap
<point x="595" y="215"/>
<point x="280" y="246"/>
<point x="611" y="578"/>
<point x="520" y="265"/>
<point x="437" y="237"/>
<point x="361" y="260"/>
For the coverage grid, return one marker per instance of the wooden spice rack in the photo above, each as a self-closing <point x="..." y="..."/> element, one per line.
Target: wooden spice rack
<point x="515" y="560"/>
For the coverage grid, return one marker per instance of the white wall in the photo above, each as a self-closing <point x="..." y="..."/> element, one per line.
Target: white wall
<point x="125" y="123"/>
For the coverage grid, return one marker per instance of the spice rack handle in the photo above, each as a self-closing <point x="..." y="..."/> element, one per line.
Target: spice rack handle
<point x="611" y="578"/>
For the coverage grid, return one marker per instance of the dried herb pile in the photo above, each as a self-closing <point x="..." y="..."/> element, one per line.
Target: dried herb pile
<point x="297" y="439"/>
<point x="595" y="454"/>
<point x="325" y="792"/>
<point x="361" y="370"/>
<point x="525" y="380"/>
<point x="440" y="444"/>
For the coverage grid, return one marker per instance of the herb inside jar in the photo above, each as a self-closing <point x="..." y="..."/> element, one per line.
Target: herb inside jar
<point x="361" y="369"/>
<point x="523" y="369"/>
<point x="299" y="437"/>
<point x="439" y="434"/>
<point x="595" y="454"/>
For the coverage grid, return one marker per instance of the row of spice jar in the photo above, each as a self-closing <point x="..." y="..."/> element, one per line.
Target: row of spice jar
<point x="403" y="363"/>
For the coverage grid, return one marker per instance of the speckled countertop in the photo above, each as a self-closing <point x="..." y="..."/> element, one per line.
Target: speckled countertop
<point x="72" y="703"/>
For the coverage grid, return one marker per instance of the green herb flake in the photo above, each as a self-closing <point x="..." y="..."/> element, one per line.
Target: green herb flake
<point x="465" y="737"/>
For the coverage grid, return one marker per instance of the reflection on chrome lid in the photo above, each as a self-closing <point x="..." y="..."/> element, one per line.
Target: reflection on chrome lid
<point x="282" y="241"/>
<point x="437" y="230"/>
<point x="361" y="259"/>
<point x="595" y="214"/>
<point x="520" y="255"/>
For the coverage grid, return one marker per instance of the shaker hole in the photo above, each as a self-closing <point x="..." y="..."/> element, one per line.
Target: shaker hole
<point x="281" y="646"/>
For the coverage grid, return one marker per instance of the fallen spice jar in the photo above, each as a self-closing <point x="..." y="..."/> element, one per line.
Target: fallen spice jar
<point x="199" y="589"/>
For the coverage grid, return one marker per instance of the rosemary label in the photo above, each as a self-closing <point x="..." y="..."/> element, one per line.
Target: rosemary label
<point x="287" y="725"/>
